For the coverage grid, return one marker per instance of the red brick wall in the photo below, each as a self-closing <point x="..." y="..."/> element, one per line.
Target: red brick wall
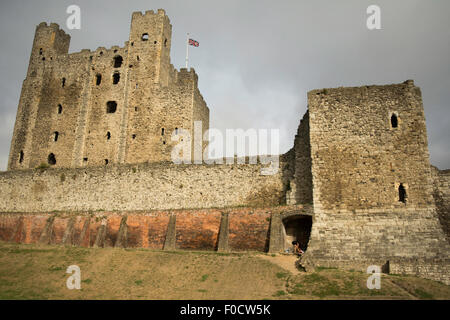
<point x="59" y="227"/>
<point x="248" y="230"/>
<point x="195" y="229"/>
<point x="147" y="231"/>
<point x="112" y="230"/>
<point x="35" y="225"/>
<point x="8" y="225"/>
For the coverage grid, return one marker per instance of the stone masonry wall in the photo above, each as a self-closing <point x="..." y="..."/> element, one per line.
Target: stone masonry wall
<point x="442" y="197"/>
<point x="302" y="175"/>
<point x="139" y="187"/>
<point x="359" y="159"/>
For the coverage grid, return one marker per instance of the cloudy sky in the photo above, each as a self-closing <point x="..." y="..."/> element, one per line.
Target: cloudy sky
<point x="257" y="59"/>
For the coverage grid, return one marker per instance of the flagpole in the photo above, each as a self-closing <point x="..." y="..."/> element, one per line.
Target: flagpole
<point x="187" y="50"/>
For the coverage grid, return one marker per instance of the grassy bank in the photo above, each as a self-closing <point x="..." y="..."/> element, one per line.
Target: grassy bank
<point x="39" y="272"/>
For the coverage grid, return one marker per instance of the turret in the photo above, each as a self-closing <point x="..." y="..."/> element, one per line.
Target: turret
<point x="49" y="42"/>
<point x="149" y="45"/>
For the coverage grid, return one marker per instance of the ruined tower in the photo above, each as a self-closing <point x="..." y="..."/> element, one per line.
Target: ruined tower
<point x="117" y="105"/>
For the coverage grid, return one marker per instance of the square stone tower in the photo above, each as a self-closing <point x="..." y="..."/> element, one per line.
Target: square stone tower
<point x="117" y="105"/>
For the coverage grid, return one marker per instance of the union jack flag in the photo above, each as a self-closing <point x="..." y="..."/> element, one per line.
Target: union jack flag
<point x="193" y="43"/>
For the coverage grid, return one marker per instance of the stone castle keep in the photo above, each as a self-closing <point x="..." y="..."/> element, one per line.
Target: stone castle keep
<point x="104" y="107"/>
<point x="90" y="166"/>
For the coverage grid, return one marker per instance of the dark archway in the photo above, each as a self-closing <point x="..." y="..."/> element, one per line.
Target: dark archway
<point x="297" y="227"/>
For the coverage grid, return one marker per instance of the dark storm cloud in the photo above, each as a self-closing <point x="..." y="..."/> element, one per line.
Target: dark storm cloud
<point x="258" y="59"/>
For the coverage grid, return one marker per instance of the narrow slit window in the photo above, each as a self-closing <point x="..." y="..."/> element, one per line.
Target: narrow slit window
<point x="21" y="156"/>
<point x="108" y="135"/>
<point x="162" y="131"/>
<point x="55" y="136"/>
<point x="106" y="162"/>
<point x="98" y="79"/>
<point x="59" y="108"/>
<point x="40" y="51"/>
<point x="394" y="121"/>
<point x="402" y="193"/>
<point x="116" y="77"/>
<point x="63" y="82"/>
<point x="118" y="61"/>
<point x="111" y="107"/>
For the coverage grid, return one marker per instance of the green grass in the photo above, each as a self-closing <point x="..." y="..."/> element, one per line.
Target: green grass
<point x="279" y="293"/>
<point x="281" y="275"/>
<point x="423" y="294"/>
<point x="204" y="277"/>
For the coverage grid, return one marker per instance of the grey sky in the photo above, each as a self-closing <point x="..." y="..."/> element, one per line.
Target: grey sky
<point x="257" y="59"/>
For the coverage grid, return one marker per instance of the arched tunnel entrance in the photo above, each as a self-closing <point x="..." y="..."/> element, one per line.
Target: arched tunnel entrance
<point x="297" y="227"/>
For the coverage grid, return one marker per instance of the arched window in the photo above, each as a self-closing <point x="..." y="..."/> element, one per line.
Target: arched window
<point x="144" y="37"/>
<point x="394" y="121"/>
<point x="402" y="193"/>
<point x="118" y="61"/>
<point x="51" y="159"/>
<point x="106" y="162"/>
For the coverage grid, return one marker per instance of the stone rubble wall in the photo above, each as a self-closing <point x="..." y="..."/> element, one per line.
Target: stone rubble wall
<point x="442" y="198"/>
<point x="359" y="159"/>
<point x="139" y="187"/>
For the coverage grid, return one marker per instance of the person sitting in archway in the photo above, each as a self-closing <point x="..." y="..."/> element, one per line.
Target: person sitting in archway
<point x="297" y="250"/>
